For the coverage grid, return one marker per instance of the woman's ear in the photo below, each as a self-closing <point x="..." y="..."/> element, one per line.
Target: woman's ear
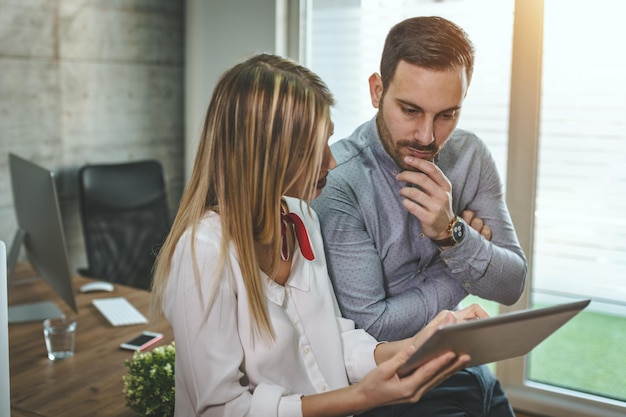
<point x="376" y="89"/>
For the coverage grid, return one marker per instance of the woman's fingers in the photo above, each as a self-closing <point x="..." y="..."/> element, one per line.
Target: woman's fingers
<point x="472" y="312"/>
<point x="443" y="318"/>
<point x="435" y="371"/>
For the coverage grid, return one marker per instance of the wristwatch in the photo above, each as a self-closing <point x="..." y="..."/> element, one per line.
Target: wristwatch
<point x="456" y="232"/>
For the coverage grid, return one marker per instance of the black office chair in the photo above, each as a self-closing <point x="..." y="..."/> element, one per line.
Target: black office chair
<point x="125" y="220"/>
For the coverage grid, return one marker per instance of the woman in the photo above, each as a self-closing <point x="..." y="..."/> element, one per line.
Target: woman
<point x="242" y="275"/>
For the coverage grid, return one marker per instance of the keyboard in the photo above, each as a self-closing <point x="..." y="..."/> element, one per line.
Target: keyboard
<point x="118" y="311"/>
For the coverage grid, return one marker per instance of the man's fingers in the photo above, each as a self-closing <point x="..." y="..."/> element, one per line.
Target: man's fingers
<point x="480" y="226"/>
<point x="486" y="232"/>
<point x="476" y="223"/>
<point x="468" y="216"/>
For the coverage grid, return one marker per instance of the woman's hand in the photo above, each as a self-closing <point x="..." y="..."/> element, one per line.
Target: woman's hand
<point x="445" y="318"/>
<point x="473" y="312"/>
<point x="383" y="386"/>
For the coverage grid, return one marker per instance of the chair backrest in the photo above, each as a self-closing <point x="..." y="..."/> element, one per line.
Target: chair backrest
<point x="125" y="220"/>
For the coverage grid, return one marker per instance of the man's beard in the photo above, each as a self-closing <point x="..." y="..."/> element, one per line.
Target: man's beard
<point x="393" y="149"/>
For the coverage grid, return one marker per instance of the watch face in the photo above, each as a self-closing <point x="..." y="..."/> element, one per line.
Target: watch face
<point x="458" y="231"/>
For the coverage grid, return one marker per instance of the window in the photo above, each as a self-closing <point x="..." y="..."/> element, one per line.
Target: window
<point x="346" y="40"/>
<point x="580" y="225"/>
<point x="563" y="136"/>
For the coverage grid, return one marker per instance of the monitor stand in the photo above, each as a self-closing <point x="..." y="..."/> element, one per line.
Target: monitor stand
<point x="30" y="312"/>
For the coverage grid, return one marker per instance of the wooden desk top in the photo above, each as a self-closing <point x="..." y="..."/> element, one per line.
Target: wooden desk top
<point x="90" y="383"/>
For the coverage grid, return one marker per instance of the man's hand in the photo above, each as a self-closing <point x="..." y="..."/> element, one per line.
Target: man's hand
<point x="476" y="223"/>
<point x="430" y="199"/>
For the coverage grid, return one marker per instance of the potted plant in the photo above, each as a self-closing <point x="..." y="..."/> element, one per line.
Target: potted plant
<point x="149" y="383"/>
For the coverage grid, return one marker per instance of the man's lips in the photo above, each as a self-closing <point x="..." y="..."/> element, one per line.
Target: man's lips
<point x="420" y="154"/>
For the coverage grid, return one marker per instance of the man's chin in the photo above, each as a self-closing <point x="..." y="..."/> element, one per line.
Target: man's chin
<point x="403" y="166"/>
<point x="399" y="159"/>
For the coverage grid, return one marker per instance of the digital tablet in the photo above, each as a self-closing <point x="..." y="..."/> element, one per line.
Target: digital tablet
<point x="495" y="338"/>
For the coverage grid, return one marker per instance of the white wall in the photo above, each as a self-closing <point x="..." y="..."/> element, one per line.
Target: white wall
<point x="218" y="35"/>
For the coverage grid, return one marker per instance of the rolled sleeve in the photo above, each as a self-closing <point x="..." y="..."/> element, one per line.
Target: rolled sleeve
<point x="273" y="400"/>
<point x="359" y="349"/>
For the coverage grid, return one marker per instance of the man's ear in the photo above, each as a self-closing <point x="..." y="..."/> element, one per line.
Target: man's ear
<point x="376" y="89"/>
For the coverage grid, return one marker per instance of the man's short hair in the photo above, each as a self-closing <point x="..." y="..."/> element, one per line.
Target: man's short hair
<point x="428" y="41"/>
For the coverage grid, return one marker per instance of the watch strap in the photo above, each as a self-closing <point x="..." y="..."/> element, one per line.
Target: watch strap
<point x="450" y="240"/>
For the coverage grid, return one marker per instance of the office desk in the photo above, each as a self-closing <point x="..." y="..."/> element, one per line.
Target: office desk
<point x="90" y="383"/>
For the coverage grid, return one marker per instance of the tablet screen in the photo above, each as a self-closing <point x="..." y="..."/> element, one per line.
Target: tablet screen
<point x="495" y="338"/>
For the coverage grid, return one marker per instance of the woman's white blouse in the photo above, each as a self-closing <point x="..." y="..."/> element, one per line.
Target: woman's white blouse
<point x="221" y="370"/>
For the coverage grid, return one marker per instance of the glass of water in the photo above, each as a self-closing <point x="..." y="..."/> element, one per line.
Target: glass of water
<point x="60" y="336"/>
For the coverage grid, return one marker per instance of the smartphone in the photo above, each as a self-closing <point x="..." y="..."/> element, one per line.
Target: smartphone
<point x="143" y="341"/>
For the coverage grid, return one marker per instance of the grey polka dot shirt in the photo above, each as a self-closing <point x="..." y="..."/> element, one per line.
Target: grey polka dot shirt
<point x="389" y="277"/>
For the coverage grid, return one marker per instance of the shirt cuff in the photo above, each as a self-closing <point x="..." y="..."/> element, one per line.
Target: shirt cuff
<point x="273" y="400"/>
<point x="290" y="405"/>
<point x="361" y="361"/>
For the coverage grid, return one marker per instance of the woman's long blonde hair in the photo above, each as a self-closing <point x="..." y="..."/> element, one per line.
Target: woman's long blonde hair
<point x="267" y="125"/>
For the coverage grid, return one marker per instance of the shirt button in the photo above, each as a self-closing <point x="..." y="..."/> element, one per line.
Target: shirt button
<point x="307" y="349"/>
<point x="421" y="235"/>
<point x="467" y="285"/>
<point x="296" y="321"/>
<point x="446" y="260"/>
<point x="323" y="387"/>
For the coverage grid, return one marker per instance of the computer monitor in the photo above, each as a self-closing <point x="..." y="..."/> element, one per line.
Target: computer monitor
<point x="5" y="376"/>
<point x="40" y="232"/>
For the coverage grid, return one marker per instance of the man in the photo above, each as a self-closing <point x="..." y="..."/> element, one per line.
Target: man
<point x="414" y="216"/>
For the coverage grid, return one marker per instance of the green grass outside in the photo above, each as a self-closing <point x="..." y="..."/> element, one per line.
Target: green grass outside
<point x="587" y="354"/>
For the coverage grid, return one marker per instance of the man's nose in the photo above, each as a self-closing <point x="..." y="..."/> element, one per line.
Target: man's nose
<point x="425" y="131"/>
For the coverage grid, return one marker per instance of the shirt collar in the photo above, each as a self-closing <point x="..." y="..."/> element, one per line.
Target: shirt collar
<point x="300" y="280"/>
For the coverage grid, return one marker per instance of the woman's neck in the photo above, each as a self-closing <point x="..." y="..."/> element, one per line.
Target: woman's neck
<point x="265" y="252"/>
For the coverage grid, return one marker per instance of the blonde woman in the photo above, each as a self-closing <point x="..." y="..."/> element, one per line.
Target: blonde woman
<point x="242" y="275"/>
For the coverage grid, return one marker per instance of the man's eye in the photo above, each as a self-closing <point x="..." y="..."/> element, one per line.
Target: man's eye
<point x="449" y="116"/>
<point x="408" y="110"/>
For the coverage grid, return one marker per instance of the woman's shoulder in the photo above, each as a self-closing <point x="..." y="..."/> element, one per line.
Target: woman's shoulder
<point x="210" y="223"/>
<point x="300" y="207"/>
<point x="303" y="210"/>
<point x="206" y="234"/>
<point x="200" y="245"/>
